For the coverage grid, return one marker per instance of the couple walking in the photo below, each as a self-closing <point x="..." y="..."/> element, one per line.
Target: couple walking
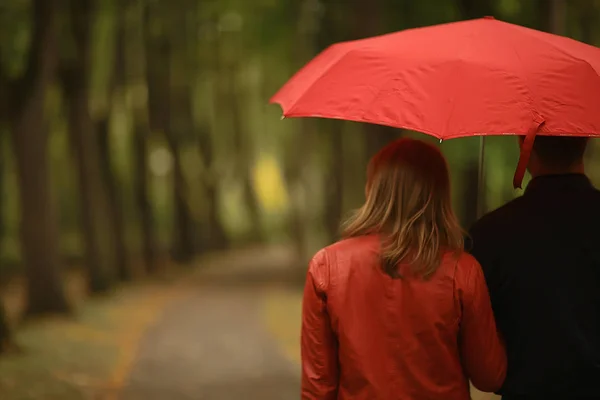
<point x="405" y="308"/>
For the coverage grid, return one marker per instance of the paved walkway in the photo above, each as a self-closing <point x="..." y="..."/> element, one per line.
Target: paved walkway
<point x="216" y="343"/>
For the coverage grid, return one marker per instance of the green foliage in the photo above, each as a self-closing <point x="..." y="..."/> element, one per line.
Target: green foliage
<point x="103" y="56"/>
<point x="15" y="34"/>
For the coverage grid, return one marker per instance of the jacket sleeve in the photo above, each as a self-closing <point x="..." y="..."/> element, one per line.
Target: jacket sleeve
<point x="318" y="342"/>
<point x="482" y="351"/>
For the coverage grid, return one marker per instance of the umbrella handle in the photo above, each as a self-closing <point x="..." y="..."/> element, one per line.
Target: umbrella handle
<point x="526" y="148"/>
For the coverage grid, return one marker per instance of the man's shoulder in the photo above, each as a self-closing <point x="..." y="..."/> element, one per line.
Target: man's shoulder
<point x="594" y="193"/>
<point x="501" y="216"/>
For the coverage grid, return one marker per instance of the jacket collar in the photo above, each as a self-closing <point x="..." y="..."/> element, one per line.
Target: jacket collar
<point x="547" y="183"/>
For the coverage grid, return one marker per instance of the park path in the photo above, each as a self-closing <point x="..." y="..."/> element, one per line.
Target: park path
<point x="233" y="335"/>
<point x="215" y="342"/>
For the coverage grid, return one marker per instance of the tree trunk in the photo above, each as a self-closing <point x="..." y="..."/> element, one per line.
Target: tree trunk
<point x="378" y="136"/>
<point x="38" y="225"/>
<point x="179" y="126"/>
<point x="115" y="207"/>
<point x="244" y="154"/>
<point x="183" y="246"/>
<point x="75" y="76"/>
<point x="587" y="19"/>
<point x="228" y="102"/>
<point x="335" y="183"/>
<point x="6" y="339"/>
<point x="470" y="194"/>
<point x="171" y="112"/>
<point x="39" y="228"/>
<point x="557" y="17"/>
<point x="216" y="237"/>
<point x="295" y="161"/>
<point x="142" y="196"/>
<point x="114" y="204"/>
<point x="471" y="9"/>
<point x="85" y="153"/>
<point x="135" y="71"/>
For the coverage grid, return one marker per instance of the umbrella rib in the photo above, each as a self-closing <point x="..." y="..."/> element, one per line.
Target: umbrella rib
<point x="558" y="48"/>
<point x="535" y="113"/>
<point x="325" y="70"/>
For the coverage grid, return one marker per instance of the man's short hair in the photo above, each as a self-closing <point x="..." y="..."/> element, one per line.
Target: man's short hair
<point x="559" y="151"/>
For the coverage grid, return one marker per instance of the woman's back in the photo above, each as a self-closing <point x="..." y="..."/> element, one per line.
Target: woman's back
<point x="397" y="311"/>
<point x="398" y="338"/>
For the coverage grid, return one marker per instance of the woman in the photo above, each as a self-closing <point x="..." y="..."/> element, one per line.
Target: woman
<point x="397" y="310"/>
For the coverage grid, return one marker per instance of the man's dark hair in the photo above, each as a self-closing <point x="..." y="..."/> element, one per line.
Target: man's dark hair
<point x="559" y="151"/>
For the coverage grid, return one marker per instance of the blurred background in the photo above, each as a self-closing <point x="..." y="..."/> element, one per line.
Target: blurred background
<point x="157" y="216"/>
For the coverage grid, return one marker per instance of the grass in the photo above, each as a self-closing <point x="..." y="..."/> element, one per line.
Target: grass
<point x="88" y="357"/>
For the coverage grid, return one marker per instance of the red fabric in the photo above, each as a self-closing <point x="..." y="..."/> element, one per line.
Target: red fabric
<point x="478" y="77"/>
<point x="526" y="148"/>
<point x="366" y="336"/>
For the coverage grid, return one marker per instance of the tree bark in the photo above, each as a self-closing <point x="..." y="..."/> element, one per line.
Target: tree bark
<point x="293" y="169"/>
<point x="180" y="125"/>
<point x="115" y="206"/>
<point x="244" y="156"/>
<point x="171" y="113"/>
<point x="183" y="246"/>
<point x="587" y="18"/>
<point x="229" y="95"/>
<point x="38" y="225"/>
<point x="217" y="235"/>
<point x="216" y="238"/>
<point x="470" y="194"/>
<point x="135" y="71"/>
<point x="116" y="218"/>
<point x="471" y="9"/>
<point x="75" y="76"/>
<point x="142" y="196"/>
<point x="6" y="338"/>
<point x="378" y="136"/>
<point x="335" y="183"/>
<point x="557" y="17"/>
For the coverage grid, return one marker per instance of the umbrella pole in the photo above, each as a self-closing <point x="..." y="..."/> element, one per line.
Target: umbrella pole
<point x="481" y="179"/>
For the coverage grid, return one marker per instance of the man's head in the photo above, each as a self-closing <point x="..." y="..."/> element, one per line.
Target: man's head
<point x="556" y="155"/>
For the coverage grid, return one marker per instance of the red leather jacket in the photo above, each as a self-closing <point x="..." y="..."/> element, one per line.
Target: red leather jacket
<point x="366" y="336"/>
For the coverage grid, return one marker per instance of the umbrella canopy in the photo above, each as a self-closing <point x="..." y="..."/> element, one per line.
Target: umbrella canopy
<point x="469" y="78"/>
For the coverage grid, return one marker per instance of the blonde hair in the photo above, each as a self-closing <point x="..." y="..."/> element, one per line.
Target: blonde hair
<point x="408" y="203"/>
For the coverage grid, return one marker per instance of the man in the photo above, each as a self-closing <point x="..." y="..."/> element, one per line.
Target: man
<point x="540" y="254"/>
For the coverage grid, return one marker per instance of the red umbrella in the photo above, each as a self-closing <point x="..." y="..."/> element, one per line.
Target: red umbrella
<point x="470" y="78"/>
